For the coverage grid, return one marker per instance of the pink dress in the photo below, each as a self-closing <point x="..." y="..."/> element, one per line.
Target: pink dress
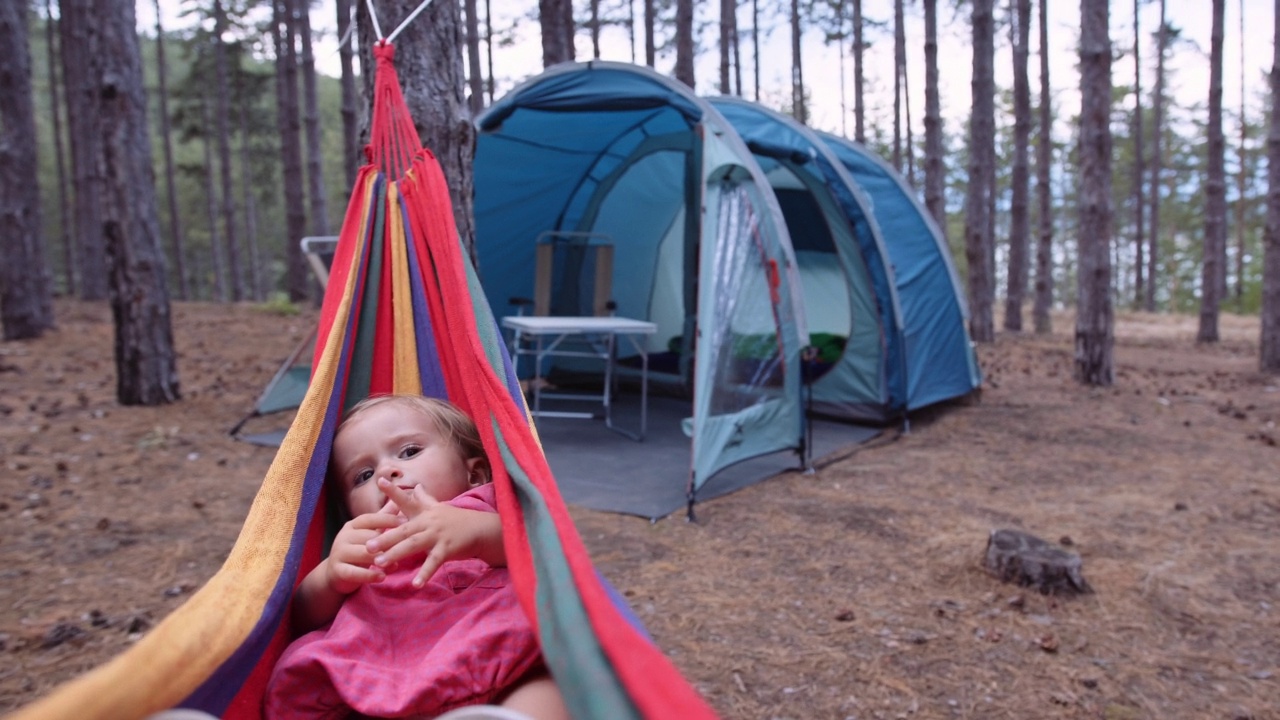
<point x="397" y="651"/>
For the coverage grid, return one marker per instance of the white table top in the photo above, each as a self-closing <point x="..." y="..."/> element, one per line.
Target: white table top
<point x="575" y="325"/>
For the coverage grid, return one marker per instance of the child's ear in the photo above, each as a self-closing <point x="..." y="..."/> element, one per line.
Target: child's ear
<point x="477" y="472"/>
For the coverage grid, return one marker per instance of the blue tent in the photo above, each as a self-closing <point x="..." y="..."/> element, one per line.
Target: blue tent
<point x="621" y="156"/>
<point x="940" y="360"/>
<point x="853" y="220"/>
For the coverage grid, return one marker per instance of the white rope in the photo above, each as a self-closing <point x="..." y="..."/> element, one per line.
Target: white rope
<point x="373" y="15"/>
<point x="351" y="25"/>
<point x="409" y="19"/>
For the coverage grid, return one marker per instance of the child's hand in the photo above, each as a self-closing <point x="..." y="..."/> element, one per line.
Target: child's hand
<point x="350" y="564"/>
<point x="442" y="531"/>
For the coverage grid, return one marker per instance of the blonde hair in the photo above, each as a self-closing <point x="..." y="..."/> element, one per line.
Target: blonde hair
<point x="449" y="420"/>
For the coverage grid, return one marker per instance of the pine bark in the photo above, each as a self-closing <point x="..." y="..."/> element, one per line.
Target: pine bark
<point x="1213" y="278"/>
<point x="250" y="206"/>
<point x="1094" y="313"/>
<point x="351" y="155"/>
<point x="222" y="129"/>
<point x="290" y="128"/>
<point x="899" y="70"/>
<point x="1044" y="191"/>
<point x="556" y="18"/>
<point x="684" y="42"/>
<point x="1019" y="214"/>
<point x="177" y="246"/>
<point x="1242" y="183"/>
<point x="797" y="68"/>
<point x="977" y="215"/>
<point x="859" y="104"/>
<point x="26" y="289"/>
<point x="475" y="81"/>
<point x="1139" y="172"/>
<point x="1269" y="344"/>
<point x="1157" y="163"/>
<point x="429" y="64"/>
<point x="594" y="27"/>
<point x="216" y="266"/>
<point x="755" y="45"/>
<point x="728" y="11"/>
<point x="90" y="254"/>
<point x="650" y="44"/>
<point x="935" y="171"/>
<point x="55" y="107"/>
<point x="311" y="125"/>
<point x="488" y="45"/>
<point x="146" y="369"/>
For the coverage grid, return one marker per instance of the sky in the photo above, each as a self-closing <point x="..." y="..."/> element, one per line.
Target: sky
<point x="1187" y="66"/>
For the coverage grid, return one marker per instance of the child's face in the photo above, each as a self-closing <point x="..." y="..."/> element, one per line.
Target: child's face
<point x="403" y="445"/>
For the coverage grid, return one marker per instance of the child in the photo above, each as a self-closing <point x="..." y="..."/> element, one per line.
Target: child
<point x="393" y="634"/>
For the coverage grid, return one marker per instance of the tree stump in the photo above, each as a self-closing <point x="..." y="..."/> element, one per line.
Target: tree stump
<point x="1016" y="556"/>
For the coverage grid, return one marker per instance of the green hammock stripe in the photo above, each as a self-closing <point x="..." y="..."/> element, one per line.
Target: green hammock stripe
<point x="590" y="686"/>
<point x="360" y="376"/>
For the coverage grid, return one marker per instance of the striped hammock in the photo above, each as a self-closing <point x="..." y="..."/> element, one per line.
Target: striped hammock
<point x="403" y="312"/>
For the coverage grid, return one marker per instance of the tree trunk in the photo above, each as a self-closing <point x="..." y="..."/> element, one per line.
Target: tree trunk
<point x="684" y="42"/>
<point x="727" y="10"/>
<point x="650" y="21"/>
<point x="290" y="148"/>
<point x="935" y="171"/>
<point x="1044" y="191"/>
<point x="26" y="288"/>
<point x="1213" y="277"/>
<point x="223" y="130"/>
<point x="755" y="44"/>
<point x="1139" y="172"/>
<point x="1241" y="176"/>
<point x="352" y="158"/>
<point x="488" y="44"/>
<point x="429" y="63"/>
<point x="1157" y="163"/>
<point x="1269" y="342"/>
<point x="556" y="17"/>
<point x="146" y="369"/>
<point x="899" y="68"/>
<point x="595" y="29"/>
<point x="176" y="240"/>
<point x="246" y="191"/>
<point x="1019" y="219"/>
<point x="211" y="203"/>
<point x="859" y="108"/>
<point x="55" y="105"/>
<point x="737" y="53"/>
<point x="797" y="67"/>
<point x="977" y="225"/>
<point x="315" y="142"/>
<point x="475" y="81"/>
<point x="1094" y="313"/>
<point x="91" y="254"/>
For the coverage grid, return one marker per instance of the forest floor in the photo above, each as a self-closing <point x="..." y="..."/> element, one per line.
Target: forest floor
<point x="857" y="592"/>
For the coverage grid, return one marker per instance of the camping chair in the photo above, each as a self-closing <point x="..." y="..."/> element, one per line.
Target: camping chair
<point x="403" y="312"/>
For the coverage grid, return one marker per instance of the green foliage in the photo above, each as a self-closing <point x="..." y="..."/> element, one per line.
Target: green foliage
<point x="278" y="304"/>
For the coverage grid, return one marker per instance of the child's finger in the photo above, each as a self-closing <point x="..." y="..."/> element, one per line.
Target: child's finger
<point x="428" y="569"/>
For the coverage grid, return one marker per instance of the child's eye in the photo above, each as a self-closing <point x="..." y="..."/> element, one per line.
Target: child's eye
<point x="410" y="451"/>
<point x="361" y="478"/>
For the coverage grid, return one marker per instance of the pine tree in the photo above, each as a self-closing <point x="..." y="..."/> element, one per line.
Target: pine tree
<point x="1044" y="191"/>
<point x="1094" y="313"/>
<point x="1213" y="277"/>
<point x="1019" y="218"/>
<point x="1269" y="344"/>
<point x="26" y="305"/>
<point x="978" y="199"/>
